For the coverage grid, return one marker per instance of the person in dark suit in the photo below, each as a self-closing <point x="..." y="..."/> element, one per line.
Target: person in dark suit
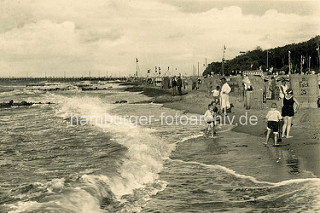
<point x="179" y="85"/>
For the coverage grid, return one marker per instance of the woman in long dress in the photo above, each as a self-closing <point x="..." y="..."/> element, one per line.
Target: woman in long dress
<point x="224" y="96"/>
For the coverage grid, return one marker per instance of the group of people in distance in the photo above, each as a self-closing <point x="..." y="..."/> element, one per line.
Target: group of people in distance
<point x="290" y="106"/>
<point x="176" y="83"/>
<point x="220" y="97"/>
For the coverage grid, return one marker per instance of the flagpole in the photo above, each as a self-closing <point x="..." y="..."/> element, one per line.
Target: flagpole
<point x="319" y="56"/>
<point x="289" y="62"/>
<point x="309" y="64"/>
<point x="301" y="65"/>
<point x="137" y="67"/>
<point x="267" y="60"/>
<point x="222" y="68"/>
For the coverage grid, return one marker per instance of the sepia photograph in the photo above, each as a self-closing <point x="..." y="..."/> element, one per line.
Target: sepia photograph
<point x="159" y="106"/>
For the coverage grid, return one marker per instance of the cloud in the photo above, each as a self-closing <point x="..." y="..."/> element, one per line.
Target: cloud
<point x="249" y="7"/>
<point x="43" y="38"/>
<point x="106" y="36"/>
<point x="96" y="35"/>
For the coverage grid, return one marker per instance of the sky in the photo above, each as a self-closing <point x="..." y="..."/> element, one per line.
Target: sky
<point x="104" y="37"/>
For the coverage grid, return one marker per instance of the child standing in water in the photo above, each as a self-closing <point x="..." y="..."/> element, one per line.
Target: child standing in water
<point x="273" y="118"/>
<point x="209" y="118"/>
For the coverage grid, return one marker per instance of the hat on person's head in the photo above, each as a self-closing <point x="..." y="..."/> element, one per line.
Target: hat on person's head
<point x="223" y="79"/>
<point x="274" y="105"/>
<point x="289" y="91"/>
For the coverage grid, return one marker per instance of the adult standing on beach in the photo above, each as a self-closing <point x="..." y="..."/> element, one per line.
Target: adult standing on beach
<point x="179" y="85"/>
<point x="174" y="85"/>
<point x="224" y="96"/>
<point x="247" y="83"/>
<point x="273" y="87"/>
<point x="198" y="83"/>
<point x="283" y="89"/>
<point x="288" y="111"/>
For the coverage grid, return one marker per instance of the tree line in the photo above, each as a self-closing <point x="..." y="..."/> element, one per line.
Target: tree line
<point x="278" y="59"/>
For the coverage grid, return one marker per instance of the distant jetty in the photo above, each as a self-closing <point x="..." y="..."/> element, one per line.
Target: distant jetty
<point x="55" y="79"/>
<point x="21" y="104"/>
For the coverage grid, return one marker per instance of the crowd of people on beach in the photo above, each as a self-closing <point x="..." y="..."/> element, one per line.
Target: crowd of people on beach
<point x="176" y="83"/>
<point x="279" y="124"/>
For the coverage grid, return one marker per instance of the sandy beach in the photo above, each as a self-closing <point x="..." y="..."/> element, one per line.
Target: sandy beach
<point x="301" y="152"/>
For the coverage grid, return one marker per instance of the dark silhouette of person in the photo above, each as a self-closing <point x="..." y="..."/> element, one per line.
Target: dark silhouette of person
<point x="179" y="85"/>
<point x="174" y="85"/>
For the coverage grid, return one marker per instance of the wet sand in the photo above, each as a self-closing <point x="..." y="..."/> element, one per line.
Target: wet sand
<point x="233" y="173"/>
<point x="245" y="153"/>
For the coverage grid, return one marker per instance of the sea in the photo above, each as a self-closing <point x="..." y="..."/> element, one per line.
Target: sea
<point x="84" y="153"/>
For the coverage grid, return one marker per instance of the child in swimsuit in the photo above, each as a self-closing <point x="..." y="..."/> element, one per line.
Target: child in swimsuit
<point x="216" y="94"/>
<point x="273" y="118"/>
<point x="209" y="118"/>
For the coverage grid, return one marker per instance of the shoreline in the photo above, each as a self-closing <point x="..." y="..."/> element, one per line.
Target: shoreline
<point x="304" y="147"/>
